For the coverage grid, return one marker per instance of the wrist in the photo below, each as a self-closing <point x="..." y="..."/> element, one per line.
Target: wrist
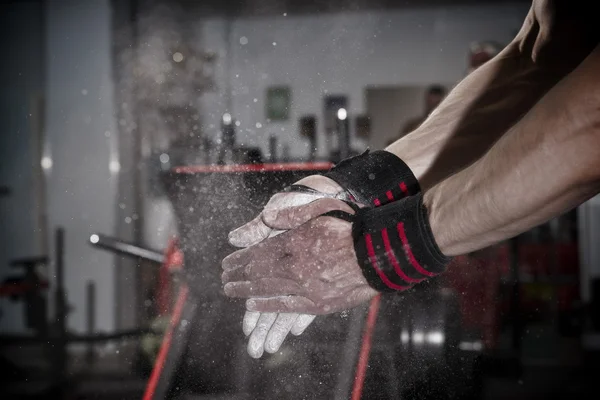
<point x="395" y="247"/>
<point x="321" y="183"/>
<point x="375" y="178"/>
<point x="439" y="231"/>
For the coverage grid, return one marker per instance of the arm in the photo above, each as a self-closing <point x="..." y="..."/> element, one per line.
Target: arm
<point x="545" y="165"/>
<point x="481" y="108"/>
<point x="315" y="267"/>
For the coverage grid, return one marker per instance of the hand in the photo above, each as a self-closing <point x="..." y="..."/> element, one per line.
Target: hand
<point x="267" y="331"/>
<point x="256" y="230"/>
<point x="559" y="32"/>
<point x="311" y="269"/>
<point x="374" y="178"/>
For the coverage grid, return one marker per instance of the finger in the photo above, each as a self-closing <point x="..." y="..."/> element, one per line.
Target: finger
<point x="256" y="343"/>
<point x="249" y="322"/>
<point x="243" y="257"/>
<point x="541" y="41"/>
<point x="234" y="260"/>
<point x="291" y="199"/>
<point x="256" y="231"/>
<point x="292" y="217"/>
<point x="253" y="271"/>
<point x="267" y="287"/>
<point x="265" y="254"/>
<point x="279" y="331"/>
<point x="544" y="12"/>
<point x="250" y="233"/>
<point x="324" y="184"/>
<point x="283" y="304"/>
<point x="528" y="31"/>
<point x="301" y="323"/>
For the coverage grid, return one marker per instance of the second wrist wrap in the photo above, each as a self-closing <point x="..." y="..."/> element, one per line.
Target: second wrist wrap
<point x="395" y="246"/>
<point x="375" y="178"/>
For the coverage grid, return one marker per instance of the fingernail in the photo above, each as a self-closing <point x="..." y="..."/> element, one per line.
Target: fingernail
<point x="233" y="238"/>
<point x="227" y="289"/>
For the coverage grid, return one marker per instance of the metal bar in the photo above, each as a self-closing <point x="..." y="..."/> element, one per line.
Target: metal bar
<point x="59" y="349"/>
<point x="172" y="351"/>
<point x="127" y="249"/>
<point x="313" y="147"/>
<point x="344" y="140"/>
<point x="105" y="337"/>
<point x="273" y="148"/>
<point x="365" y="349"/>
<point x="91" y="320"/>
<point x="12" y="340"/>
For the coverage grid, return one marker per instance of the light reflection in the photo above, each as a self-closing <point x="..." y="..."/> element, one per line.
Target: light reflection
<point x="177" y="57"/>
<point x="471" y="346"/>
<point x="114" y="166"/>
<point x="418" y="337"/>
<point x="404" y="337"/>
<point x="435" y="337"/>
<point x="46" y="162"/>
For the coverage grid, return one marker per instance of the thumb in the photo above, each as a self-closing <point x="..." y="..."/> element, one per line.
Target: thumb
<point x="292" y="217"/>
<point x="250" y="233"/>
<point x="256" y="231"/>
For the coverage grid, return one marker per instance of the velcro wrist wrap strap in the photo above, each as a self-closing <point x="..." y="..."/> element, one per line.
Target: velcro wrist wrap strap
<point x="375" y="178"/>
<point x="395" y="246"/>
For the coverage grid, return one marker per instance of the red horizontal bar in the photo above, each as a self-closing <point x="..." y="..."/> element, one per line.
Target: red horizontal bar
<point x="19" y="289"/>
<point x="324" y="165"/>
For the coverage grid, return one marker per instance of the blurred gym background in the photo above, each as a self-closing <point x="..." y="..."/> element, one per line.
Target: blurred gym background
<point x="111" y="110"/>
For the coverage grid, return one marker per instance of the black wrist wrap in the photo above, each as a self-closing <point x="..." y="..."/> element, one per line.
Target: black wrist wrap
<point x="395" y="246"/>
<point x="375" y="178"/>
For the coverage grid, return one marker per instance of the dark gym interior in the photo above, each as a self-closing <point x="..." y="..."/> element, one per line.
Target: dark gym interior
<point x="135" y="134"/>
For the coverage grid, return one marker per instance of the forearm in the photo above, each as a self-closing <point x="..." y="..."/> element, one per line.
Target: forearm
<point x="546" y="164"/>
<point x="481" y="108"/>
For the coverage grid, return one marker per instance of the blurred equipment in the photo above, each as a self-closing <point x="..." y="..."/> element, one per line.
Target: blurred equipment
<point x="308" y="129"/>
<point x="227" y="139"/>
<point x="170" y="262"/>
<point x="48" y="346"/>
<point x="337" y="132"/>
<point x="127" y="249"/>
<point x="589" y="251"/>
<point x="272" y="148"/>
<point x="278" y="104"/>
<point x="31" y="288"/>
<point x="433" y="97"/>
<point x="363" y="126"/>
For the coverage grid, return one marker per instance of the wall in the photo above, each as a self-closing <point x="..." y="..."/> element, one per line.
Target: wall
<point x="81" y="142"/>
<point x="342" y="54"/>
<point x="389" y="109"/>
<point x="21" y="80"/>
